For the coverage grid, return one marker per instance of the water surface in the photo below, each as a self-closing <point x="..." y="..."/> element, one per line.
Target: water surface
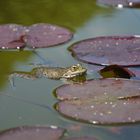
<point x="86" y="20"/>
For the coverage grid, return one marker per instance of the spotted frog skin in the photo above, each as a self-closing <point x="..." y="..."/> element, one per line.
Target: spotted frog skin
<point x="51" y="72"/>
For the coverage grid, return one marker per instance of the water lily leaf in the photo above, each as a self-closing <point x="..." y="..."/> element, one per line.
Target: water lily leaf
<point x="109" y="50"/>
<point x="32" y="133"/>
<point x="121" y="3"/>
<point x="102" y="101"/>
<point x="81" y="138"/>
<point x="116" y="71"/>
<point x="11" y="36"/>
<point x="44" y="35"/>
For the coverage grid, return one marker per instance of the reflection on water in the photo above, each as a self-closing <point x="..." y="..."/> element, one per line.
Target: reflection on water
<point x="68" y="13"/>
<point x="8" y="60"/>
<point x="88" y="20"/>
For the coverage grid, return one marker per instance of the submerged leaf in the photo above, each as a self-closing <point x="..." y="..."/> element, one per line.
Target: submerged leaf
<point x="32" y="133"/>
<point x="108" y="50"/>
<point x="116" y="71"/>
<point x="102" y="101"/>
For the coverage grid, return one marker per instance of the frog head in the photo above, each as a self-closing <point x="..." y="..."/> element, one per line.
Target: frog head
<point x="74" y="70"/>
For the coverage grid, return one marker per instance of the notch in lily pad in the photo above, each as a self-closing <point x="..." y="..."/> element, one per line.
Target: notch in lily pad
<point x="41" y="35"/>
<point x="11" y="36"/>
<point x="108" y="50"/>
<point x="102" y="101"/>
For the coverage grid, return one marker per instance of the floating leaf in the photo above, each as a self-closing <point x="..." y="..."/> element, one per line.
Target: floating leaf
<point x="11" y="36"/>
<point x="44" y="35"/>
<point x="108" y="50"/>
<point x="116" y="71"/>
<point x="121" y="3"/>
<point x="81" y="138"/>
<point x="32" y="133"/>
<point x="102" y="101"/>
<point x="14" y="36"/>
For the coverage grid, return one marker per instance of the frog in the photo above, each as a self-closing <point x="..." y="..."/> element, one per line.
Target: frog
<point x="51" y="72"/>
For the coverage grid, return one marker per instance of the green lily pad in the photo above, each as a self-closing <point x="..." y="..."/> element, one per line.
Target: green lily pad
<point x="102" y="101"/>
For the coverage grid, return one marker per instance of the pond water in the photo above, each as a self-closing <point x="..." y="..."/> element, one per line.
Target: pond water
<point x="86" y="19"/>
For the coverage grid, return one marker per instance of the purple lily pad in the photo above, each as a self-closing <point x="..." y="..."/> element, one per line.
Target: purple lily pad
<point x="45" y="35"/>
<point x="109" y="50"/>
<point x="32" y="133"/>
<point x="121" y="3"/>
<point x="11" y="36"/>
<point x="102" y="101"/>
<point x="81" y="138"/>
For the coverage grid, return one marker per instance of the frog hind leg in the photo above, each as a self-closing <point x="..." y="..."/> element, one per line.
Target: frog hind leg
<point x="25" y="75"/>
<point x="21" y="75"/>
<point x="12" y="82"/>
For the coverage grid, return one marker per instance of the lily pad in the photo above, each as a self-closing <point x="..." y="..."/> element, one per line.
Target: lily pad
<point x="44" y="35"/>
<point x="11" y="36"/>
<point x="121" y="3"/>
<point x="102" y="101"/>
<point x="81" y="138"/>
<point x="32" y="133"/>
<point x="109" y="50"/>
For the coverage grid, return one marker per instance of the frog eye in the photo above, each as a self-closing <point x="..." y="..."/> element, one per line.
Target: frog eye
<point x="45" y="74"/>
<point x="74" y="68"/>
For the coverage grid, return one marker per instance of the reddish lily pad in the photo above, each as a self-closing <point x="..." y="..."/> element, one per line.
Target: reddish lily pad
<point x="121" y="3"/>
<point x="81" y="138"/>
<point x="45" y="35"/>
<point x="32" y="133"/>
<point x="102" y="101"/>
<point x="116" y="71"/>
<point x="11" y="36"/>
<point x="109" y="50"/>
